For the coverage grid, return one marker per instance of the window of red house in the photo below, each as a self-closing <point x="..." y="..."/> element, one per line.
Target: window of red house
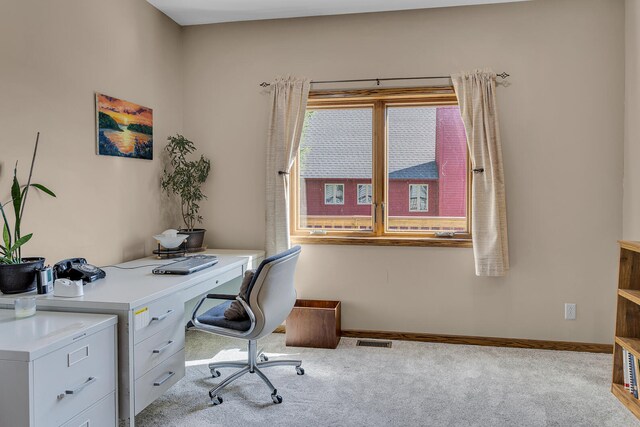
<point x="364" y="194"/>
<point x="334" y="194"/>
<point x="418" y="197"/>
<point x="386" y="166"/>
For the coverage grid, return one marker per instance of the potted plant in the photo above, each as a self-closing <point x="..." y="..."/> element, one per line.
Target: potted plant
<point x="185" y="180"/>
<point x="17" y="273"/>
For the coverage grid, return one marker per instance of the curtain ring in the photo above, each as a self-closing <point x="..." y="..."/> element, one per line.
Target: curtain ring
<point x="478" y="170"/>
<point x="283" y="173"/>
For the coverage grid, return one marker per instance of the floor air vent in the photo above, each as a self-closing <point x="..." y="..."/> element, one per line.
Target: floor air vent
<point x="371" y="343"/>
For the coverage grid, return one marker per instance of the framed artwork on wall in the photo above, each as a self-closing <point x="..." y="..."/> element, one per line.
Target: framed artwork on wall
<point x="123" y="129"/>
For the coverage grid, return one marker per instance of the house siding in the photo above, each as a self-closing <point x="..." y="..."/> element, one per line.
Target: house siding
<point x="398" y="197"/>
<point x="314" y="191"/>
<point x="451" y="158"/>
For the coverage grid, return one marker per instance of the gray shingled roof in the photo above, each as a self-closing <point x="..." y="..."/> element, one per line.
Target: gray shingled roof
<point x="337" y="143"/>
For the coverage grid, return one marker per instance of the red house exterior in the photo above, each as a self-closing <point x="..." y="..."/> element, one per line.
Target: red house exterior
<point x="451" y="149"/>
<point x="398" y="197"/>
<point x="445" y="174"/>
<point x="315" y="197"/>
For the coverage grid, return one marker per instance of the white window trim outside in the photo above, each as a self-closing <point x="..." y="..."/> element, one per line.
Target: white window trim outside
<point x="418" y="197"/>
<point x="334" y="198"/>
<point x="368" y="194"/>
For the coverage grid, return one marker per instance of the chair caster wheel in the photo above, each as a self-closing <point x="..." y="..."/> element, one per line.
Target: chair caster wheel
<point x="299" y="370"/>
<point x="215" y="373"/>
<point x="264" y="358"/>
<point x="276" y="397"/>
<point x="216" y="400"/>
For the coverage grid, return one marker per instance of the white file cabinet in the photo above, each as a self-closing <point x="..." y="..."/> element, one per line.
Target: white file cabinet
<point x="158" y="356"/>
<point x="58" y="369"/>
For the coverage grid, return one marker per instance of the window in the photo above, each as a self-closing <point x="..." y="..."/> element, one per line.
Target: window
<point x="384" y="166"/>
<point x="364" y="194"/>
<point x="333" y="194"/>
<point x="418" y="198"/>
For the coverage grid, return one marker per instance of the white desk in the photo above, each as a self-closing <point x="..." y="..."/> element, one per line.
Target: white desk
<point x="150" y="312"/>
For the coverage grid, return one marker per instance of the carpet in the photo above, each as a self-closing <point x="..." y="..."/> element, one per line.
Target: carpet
<point x="410" y="384"/>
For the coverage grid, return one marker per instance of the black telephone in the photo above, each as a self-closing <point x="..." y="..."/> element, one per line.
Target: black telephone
<point x="77" y="269"/>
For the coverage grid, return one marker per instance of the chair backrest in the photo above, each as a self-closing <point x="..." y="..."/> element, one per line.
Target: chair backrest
<point x="271" y="294"/>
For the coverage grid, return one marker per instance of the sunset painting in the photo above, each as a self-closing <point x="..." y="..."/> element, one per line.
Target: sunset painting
<point x="124" y="129"/>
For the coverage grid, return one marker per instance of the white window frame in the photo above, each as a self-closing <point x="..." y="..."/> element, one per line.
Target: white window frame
<point x="368" y="194"/>
<point x="335" y="192"/>
<point x="418" y="197"/>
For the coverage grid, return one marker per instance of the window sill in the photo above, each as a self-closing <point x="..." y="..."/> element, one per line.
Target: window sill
<point x="384" y="241"/>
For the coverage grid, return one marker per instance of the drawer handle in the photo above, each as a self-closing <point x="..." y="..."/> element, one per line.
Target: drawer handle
<point x="158" y="383"/>
<point x="163" y="316"/>
<point x="78" y="389"/>
<point x="163" y="348"/>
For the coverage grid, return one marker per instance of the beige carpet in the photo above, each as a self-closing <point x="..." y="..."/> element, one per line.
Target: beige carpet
<point x="411" y="384"/>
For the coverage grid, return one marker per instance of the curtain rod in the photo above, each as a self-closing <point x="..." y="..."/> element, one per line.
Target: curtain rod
<point x="502" y="75"/>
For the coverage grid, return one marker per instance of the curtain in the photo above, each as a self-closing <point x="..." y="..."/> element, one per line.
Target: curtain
<point x="476" y="92"/>
<point x="288" y="105"/>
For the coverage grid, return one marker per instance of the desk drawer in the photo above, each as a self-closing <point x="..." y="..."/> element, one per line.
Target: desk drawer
<point x="209" y="285"/>
<point x="154" y="350"/>
<point x="102" y="414"/>
<point x="155" y="316"/>
<point x="229" y="275"/>
<point x="158" y="380"/>
<point x="69" y="380"/>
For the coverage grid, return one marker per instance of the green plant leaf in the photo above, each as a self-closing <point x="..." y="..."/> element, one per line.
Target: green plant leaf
<point x="10" y="252"/>
<point x="5" y="260"/>
<point x="16" y="195"/>
<point x="21" y="241"/>
<point x="44" y="189"/>
<point x="6" y="222"/>
<point x="6" y="235"/>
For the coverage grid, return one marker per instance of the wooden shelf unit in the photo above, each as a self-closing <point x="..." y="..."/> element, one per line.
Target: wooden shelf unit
<point x="627" y="321"/>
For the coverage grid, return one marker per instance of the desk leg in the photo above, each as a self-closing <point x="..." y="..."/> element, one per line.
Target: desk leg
<point x="126" y="376"/>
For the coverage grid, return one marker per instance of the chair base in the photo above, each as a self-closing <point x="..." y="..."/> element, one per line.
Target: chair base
<point x="252" y="366"/>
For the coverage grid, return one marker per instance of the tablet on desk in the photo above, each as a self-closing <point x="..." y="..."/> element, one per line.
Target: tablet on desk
<point x="187" y="266"/>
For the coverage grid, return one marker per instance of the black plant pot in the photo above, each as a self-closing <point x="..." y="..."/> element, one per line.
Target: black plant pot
<point x="195" y="239"/>
<point x="17" y="278"/>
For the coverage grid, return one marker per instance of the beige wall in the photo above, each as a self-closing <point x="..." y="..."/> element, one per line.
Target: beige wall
<point x="54" y="56"/>
<point x="631" y="207"/>
<point x="562" y="126"/>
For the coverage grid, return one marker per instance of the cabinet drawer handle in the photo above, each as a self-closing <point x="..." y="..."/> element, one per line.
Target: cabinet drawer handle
<point x="163" y="348"/>
<point x="78" y="389"/>
<point x="163" y="316"/>
<point x="159" y="382"/>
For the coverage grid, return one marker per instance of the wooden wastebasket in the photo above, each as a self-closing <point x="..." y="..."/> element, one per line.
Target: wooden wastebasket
<point x="314" y="323"/>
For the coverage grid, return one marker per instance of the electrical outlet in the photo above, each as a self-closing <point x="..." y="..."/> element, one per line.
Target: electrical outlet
<point x="569" y="311"/>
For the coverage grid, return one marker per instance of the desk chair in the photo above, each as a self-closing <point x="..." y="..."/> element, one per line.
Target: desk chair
<point x="268" y="301"/>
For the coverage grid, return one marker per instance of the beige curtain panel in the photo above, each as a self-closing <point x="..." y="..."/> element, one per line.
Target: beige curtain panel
<point x="288" y="105"/>
<point x="476" y="92"/>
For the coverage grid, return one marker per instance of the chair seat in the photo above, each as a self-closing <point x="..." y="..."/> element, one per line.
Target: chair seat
<point x="215" y="317"/>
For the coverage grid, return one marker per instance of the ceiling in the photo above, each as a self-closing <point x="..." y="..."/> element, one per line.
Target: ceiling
<point x="193" y="12"/>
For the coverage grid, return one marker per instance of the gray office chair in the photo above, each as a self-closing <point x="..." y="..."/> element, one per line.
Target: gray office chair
<point x="268" y="301"/>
